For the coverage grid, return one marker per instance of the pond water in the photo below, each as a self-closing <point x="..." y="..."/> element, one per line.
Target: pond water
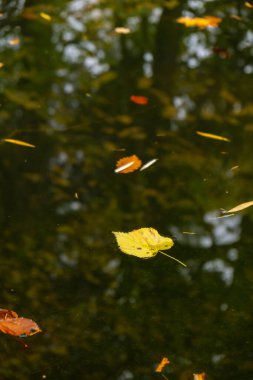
<point x="67" y="78"/>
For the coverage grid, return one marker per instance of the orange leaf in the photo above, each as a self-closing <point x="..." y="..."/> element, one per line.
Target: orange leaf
<point x="142" y="100"/>
<point x="201" y="22"/>
<point x="14" y="41"/>
<point x="199" y="376"/>
<point x="11" y="324"/>
<point x="162" y="364"/>
<point x="128" y="164"/>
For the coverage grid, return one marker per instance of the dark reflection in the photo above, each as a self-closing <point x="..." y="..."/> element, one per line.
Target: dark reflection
<point x="65" y="88"/>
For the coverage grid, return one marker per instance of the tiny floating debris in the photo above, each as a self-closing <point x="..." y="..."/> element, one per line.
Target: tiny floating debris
<point x="189" y="233"/>
<point x="45" y="16"/>
<point x="148" y="164"/>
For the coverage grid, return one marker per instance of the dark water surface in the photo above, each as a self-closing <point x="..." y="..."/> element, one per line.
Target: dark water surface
<point x="66" y="88"/>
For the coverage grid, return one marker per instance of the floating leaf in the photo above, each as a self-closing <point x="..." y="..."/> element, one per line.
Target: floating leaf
<point x="144" y="243"/>
<point x="148" y="164"/>
<point x="1" y="65"/>
<point x="122" y="30"/>
<point x="11" y="324"/>
<point x="199" y="376"/>
<point x="212" y="136"/>
<point x="235" y="167"/>
<point x="128" y="164"/>
<point x="45" y="16"/>
<point x="137" y="99"/>
<point x="240" y="207"/>
<point x="162" y="364"/>
<point x="201" y="22"/>
<point x="248" y="5"/>
<point x="14" y="41"/>
<point x="19" y="142"/>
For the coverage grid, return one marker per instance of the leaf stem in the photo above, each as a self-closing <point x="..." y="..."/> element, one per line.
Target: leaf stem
<point x="173" y="258"/>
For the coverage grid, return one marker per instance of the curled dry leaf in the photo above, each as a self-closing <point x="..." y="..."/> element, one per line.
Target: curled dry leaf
<point x="19" y="142"/>
<point x="138" y="99"/>
<point x="199" y="376"/>
<point x="12" y="324"/>
<point x="144" y="243"/>
<point x="201" y="22"/>
<point x="240" y="207"/>
<point x="212" y="136"/>
<point x="128" y="164"/>
<point x="162" y="364"/>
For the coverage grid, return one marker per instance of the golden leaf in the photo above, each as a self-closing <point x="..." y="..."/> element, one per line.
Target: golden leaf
<point x="144" y="243"/>
<point x="14" y="41"/>
<point x="212" y="136"/>
<point x="162" y="364"/>
<point x="240" y="207"/>
<point x="128" y="164"/>
<point x="19" y="142"/>
<point x="201" y="22"/>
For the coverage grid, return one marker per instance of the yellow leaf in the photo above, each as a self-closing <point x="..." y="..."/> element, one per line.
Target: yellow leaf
<point x="248" y="5"/>
<point x="19" y="142"/>
<point x="211" y="136"/>
<point x="1" y="65"/>
<point x="143" y="243"/>
<point x="201" y="22"/>
<point x="162" y="364"/>
<point x="45" y="16"/>
<point x="14" y="41"/>
<point x="240" y="207"/>
<point x="122" y="30"/>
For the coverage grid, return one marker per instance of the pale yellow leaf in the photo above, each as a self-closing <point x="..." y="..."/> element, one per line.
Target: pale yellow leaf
<point x="212" y="136"/>
<point x="240" y="207"/>
<point x="122" y="30"/>
<point x="19" y="142"/>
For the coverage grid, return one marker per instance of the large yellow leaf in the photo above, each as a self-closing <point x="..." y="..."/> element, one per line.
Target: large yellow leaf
<point x="144" y="243"/>
<point x="240" y="207"/>
<point x="201" y="22"/>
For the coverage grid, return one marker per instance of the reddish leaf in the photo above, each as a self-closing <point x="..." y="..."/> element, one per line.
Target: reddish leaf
<point x="11" y="324"/>
<point x="142" y="100"/>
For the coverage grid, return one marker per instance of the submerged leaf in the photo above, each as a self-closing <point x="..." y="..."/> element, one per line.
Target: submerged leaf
<point x="199" y="376"/>
<point x="240" y="207"/>
<point x="162" y="364"/>
<point x="128" y="164"/>
<point x="144" y="243"/>
<point x="248" y="5"/>
<point x="137" y="99"/>
<point x="201" y="22"/>
<point x="19" y="142"/>
<point x="11" y="324"/>
<point x="212" y="136"/>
